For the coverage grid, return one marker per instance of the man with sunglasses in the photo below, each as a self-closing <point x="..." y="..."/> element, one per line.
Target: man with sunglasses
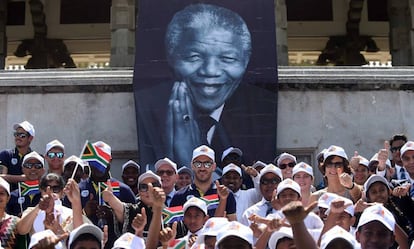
<point x="286" y="162"/>
<point x="11" y="159"/>
<point x="167" y="171"/>
<point x="396" y="143"/>
<point x="55" y="157"/>
<point x="203" y="166"/>
<point x="33" y="169"/>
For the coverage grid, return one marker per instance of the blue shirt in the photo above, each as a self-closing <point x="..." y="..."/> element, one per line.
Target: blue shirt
<point x="184" y="194"/>
<point x="13" y="206"/>
<point x="13" y="162"/>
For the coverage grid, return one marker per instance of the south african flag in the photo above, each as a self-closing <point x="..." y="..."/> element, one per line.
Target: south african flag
<point x="212" y="201"/>
<point x="171" y="214"/>
<point x="29" y="188"/>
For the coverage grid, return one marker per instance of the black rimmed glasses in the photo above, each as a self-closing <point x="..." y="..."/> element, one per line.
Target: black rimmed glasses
<point x="269" y="181"/>
<point x="143" y="187"/>
<point x="395" y="148"/>
<point x="167" y="172"/>
<point x="55" y="188"/>
<point x="285" y="165"/>
<point x="199" y="164"/>
<point x="335" y="164"/>
<point x="52" y="155"/>
<point x="33" y="165"/>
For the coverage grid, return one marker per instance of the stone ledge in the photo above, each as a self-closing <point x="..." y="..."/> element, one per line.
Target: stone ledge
<point x="290" y="78"/>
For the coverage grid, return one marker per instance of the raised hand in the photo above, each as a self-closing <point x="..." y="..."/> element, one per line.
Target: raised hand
<point x="222" y="190"/>
<point x="346" y="180"/>
<point x="183" y="132"/>
<point x="156" y="195"/>
<point x="354" y="162"/>
<point x="167" y="234"/>
<point x="72" y="191"/>
<point x="249" y="170"/>
<point x="383" y="155"/>
<point x="139" y="222"/>
<point x="47" y="202"/>
<point x="108" y="194"/>
<point x="295" y="212"/>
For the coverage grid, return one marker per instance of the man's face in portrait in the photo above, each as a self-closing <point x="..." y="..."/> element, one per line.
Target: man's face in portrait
<point x="212" y="63"/>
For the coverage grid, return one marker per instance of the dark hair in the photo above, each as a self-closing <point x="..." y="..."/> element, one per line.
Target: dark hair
<point x="398" y="137"/>
<point x="51" y="177"/>
<point x="203" y="16"/>
<point x="85" y="237"/>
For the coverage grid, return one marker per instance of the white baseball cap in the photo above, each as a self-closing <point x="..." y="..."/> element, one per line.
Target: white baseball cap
<point x="203" y="150"/>
<point x="75" y="159"/>
<point x="347" y="202"/>
<point x="236" y="229"/>
<point x="36" y="237"/>
<point x="26" y="126"/>
<point x="270" y="168"/>
<point x="337" y="233"/>
<point x="82" y="229"/>
<point x="211" y="228"/>
<point x="325" y="200"/>
<point x="374" y="158"/>
<point x="231" y="150"/>
<point x="302" y="167"/>
<point x="363" y="161"/>
<point x="407" y="147"/>
<point x="34" y="155"/>
<point x="149" y="174"/>
<point x="195" y="202"/>
<point x="130" y="163"/>
<point x="259" y="164"/>
<point x="129" y="241"/>
<point x="334" y="150"/>
<point x="284" y="156"/>
<point x="232" y="167"/>
<point x="283" y="232"/>
<point x="5" y="185"/>
<point x="53" y="144"/>
<point x="184" y="169"/>
<point x="379" y="213"/>
<point x="373" y="179"/>
<point x="288" y="184"/>
<point x="166" y="161"/>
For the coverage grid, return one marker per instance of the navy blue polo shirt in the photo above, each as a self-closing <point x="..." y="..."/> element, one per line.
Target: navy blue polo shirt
<point x="13" y="162"/>
<point x="189" y="191"/>
<point x="13" y="206"/>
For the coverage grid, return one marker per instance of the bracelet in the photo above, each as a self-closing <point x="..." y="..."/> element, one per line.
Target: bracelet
<point x="353" y="185"/>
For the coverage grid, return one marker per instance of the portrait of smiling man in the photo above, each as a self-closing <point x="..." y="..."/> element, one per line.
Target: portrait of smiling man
<point x="211" y="96"/>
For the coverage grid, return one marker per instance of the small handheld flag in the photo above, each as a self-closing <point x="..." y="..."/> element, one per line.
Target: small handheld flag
<point x="171" y="214"/>
<point x="177" y="244"/>
<point x="212" y="201"/>
<point x="95" y="156"/>
<point x="29" y="188"/>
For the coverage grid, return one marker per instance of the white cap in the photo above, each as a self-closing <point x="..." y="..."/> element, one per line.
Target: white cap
<point x="232" y="167"/>
<point x="149" y="174"/>
<point x="36" y="237"/>
<point x="270" y="168"/>
<point x="237" y="229"/>
<point x="231" y="150"/>
<point x="129" y="241"/>
<point x="184" y="169"/>
<point x="363" y="161"/>
<point x="34" y="155"/>
<point x="203" y="150"/>
<point x="407" y="147"/>
<point x="302" y="167"/>
<point x="28" y="127"/>
<point x="320" y="154"/>
<point x="334" y="150"/>
<point x="195" y="202"/>
<point x="325" y="200"/>
<point x="211" y="228"/>
<point x="284" y="156"/>
<point x="131" y="163"/>
<point x="288" y="184"/>
<point x="53" y="144"/>
<point x="283" y="232"/>
<point x="379" y="213"/>
<point x="347" y="202"/>
<point x="374" y="158"/>
<point x="259" y="164"/>
<point x="75" y="159"/>
<point x="373" y="179"/>
<point x="5" y="185"/>
<point x="103" y="146"/>
<point x="85" y="228"/>
<point x="337" y="232"/>
<point x="166" y="161"/>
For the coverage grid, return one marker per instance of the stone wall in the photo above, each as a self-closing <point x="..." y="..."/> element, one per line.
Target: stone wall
<point x="356" y="108"/>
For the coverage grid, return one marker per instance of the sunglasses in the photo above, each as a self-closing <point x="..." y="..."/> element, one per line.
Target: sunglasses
<point x="206" y="165"/>
<point x="33" y="165"/>
<point x="143" y="187"/>
<point x="335" y="164"/>
<point x="272" y="181"/>
<point x="55" y="189"/>
<point x="167" y="172"/>
<point x="290" y="165"/>
<point x="20" y="134"/>
<point x="52" y="155"/>
<point x="395" y="149"/>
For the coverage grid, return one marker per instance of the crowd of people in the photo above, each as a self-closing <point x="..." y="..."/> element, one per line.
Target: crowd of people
<point x="52" y="200"/>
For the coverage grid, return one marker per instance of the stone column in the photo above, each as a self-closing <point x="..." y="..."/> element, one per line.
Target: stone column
<point x="3" y="38"/>
<point x="122" y="33"/>
<point x="281" y="33"/>
<point x="401" y="32"/>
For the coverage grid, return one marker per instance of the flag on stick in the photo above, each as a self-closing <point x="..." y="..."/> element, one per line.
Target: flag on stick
<point x="171" y="214"/>
<point x="212" y="201"/>
<point x="29" y="188"/>
<point x="95" y="156"/>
